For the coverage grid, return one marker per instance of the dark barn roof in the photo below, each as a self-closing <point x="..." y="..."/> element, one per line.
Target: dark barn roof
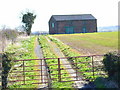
<point x="73" y="17"/>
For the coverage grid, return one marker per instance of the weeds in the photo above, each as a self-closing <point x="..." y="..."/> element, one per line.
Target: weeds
<point x="83" y="67"/>
<point x="48" y="54"/>
<point x="24" y="51"/>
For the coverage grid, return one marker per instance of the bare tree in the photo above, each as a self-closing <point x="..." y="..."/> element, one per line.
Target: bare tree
<point x="7" y="35"/>
<point x="3" y="41"/>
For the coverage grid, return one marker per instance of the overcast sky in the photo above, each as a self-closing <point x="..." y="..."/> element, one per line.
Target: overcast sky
<point x="106" y="11"/>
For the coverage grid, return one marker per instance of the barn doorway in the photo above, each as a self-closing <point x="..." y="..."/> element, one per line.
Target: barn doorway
<point x="84" y="30"/>
<point x="69" y="30"/>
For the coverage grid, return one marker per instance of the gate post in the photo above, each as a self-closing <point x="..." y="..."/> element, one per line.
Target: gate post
<point x="41" y="72"/>
<point x="59" y="71"/>
<point x="76" y="69"/>
<point x="93" y="66"/>
<point x="48" y="74"/>
<point x="24" y="71"/>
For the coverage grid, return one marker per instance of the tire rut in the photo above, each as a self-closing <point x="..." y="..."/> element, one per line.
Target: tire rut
<point x="39" y="54"/>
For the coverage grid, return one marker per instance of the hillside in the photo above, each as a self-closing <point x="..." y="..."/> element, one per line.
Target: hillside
<point x="91" y="43"/>
<point x="108" y="28"/>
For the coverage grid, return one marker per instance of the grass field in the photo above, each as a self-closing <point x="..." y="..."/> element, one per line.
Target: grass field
<point x="91" y="43"/>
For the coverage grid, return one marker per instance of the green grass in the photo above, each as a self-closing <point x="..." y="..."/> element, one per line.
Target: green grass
<point x="49" y="54"/>
<point x="69" y="52"/>
<point x="94" y="43"/>
<point x="24" y="51"/>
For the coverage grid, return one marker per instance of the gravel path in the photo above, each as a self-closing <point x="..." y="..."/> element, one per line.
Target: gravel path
<point x="57" y="51"/>
<point x="39" y="54"/>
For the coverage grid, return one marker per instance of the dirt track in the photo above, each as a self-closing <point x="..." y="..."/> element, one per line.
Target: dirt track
<point x="39" y="54"/>
<point x="77" y="84"/>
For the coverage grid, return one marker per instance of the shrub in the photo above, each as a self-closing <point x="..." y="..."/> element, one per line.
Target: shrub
<point x="7" y="62"/>
<point x="7" y="35"/>
<point x="112" y="65"/>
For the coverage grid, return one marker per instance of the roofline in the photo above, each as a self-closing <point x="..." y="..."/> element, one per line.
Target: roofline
<point x="74" y="15"/>
<point x="71" y="14"/>
<point x="76" y="20"/>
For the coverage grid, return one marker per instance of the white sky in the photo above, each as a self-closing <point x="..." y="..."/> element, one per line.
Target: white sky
<point x="106" y="11"/>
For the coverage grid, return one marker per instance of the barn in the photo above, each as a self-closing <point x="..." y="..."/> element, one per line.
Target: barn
<point x="68" y="24"/>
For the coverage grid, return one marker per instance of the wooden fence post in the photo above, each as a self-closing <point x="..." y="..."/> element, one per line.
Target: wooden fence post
<point x="0" y="70"/>
<point x="4" y="73"/>
<point x="59" y="71"/>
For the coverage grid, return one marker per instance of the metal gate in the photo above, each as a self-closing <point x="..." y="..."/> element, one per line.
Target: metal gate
<point x="49" y="70"/>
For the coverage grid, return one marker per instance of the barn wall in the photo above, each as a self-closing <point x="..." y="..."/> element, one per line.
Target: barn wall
<point x="52" y="30"/>
<point x="91" y="26"/>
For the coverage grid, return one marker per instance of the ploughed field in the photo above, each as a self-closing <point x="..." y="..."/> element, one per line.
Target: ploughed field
<point x="91" y="43"/>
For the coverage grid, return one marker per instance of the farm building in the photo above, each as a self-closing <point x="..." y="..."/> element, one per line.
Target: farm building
<point x="68" y="24"/>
